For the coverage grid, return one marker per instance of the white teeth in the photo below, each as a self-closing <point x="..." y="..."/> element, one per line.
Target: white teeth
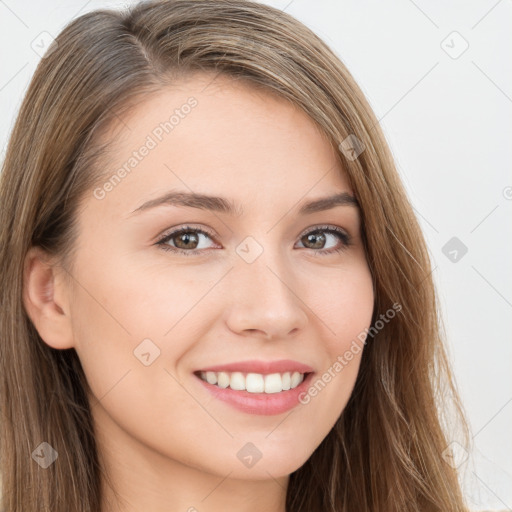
<point x="296" y="379"/>
<point x="273" y="383"/>
<point x="237" y="381"/>
<point x="211" y="377"/>
<point x="222" y="380"/>
<point x="254" y="382"/>
<point x="286" y="380"/>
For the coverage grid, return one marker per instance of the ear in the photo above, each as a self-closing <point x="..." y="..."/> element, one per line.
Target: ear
<point x="45" y="299"/>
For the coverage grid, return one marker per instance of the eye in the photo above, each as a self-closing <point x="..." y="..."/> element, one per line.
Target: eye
<point x="187" y="240"/>
<point x="318" y="239"/>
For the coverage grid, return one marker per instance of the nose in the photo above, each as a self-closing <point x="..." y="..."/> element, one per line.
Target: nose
<point x="265" y="300"/>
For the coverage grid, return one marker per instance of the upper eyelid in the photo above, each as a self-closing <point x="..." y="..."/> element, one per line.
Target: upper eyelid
<point x="181" y="229"/>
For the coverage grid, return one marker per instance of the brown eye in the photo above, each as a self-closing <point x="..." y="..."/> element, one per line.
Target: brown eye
<point x="318" y="238"/>
<point x="186" y="240"/>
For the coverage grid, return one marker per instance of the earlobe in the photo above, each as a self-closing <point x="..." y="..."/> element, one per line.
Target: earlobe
<point x="44" y="300"/>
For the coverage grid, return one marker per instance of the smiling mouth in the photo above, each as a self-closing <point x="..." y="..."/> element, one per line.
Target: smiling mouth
<point x="253" y="382"/>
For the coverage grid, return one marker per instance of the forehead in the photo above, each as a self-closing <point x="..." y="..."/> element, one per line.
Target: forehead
<point x="219" y="135"/>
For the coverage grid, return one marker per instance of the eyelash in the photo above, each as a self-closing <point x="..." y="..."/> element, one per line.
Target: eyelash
<point x="345" y="238"/>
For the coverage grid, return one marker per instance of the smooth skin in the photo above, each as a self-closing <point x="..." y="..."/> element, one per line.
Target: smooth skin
<point x="165" y="441"/>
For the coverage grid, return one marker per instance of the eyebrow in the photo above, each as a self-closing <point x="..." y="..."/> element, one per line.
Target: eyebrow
<point x="223" y="205"/>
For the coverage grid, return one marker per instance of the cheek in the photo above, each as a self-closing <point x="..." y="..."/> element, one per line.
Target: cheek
<point x="344" y="304"/>
<point x="127" y="301"/>
<point x="344" y="312"/>
<point x="132" y="322"/>
<point x="119" y="326"/>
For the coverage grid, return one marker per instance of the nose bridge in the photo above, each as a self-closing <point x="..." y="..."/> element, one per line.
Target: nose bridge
<point x="263" y="293"/>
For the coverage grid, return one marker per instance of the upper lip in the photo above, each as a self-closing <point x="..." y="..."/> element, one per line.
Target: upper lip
<point x="263" y="367"/>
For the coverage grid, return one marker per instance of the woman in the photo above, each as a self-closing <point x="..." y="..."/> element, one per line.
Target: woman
<point x="215" y="292"/>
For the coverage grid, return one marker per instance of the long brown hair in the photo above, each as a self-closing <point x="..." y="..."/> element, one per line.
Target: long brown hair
<point x="387" y="449"/>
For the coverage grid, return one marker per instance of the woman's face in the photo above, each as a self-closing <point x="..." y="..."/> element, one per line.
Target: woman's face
<point x="254" y="285"/>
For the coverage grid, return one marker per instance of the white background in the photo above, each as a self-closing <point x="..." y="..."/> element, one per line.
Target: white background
<point x="449" y="124"/>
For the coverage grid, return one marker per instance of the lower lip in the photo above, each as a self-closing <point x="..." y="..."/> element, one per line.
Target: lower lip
<point x="259" y="403"/>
